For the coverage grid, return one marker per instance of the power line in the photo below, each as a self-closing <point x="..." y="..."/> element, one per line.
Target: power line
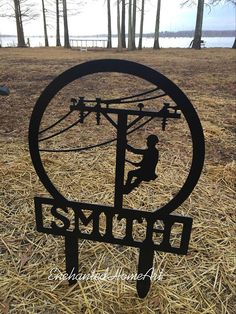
<point x="67" y="150"/>
<point x="64" y="130"/>
<point x="106" y="101"/>
<point x="79" y="120"/>
<point x="54" y="124"/>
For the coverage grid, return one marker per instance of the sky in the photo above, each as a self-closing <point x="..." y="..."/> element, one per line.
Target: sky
<point x="92" y="19"/>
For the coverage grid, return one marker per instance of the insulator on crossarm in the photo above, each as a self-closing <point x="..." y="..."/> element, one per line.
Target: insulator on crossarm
<point x="74" y="104"/>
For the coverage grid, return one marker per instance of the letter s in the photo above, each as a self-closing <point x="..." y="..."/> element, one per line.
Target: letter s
<point x="64" y="220"/>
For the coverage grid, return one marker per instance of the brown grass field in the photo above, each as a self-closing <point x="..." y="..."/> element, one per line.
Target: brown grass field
<point x="204" y="280"/>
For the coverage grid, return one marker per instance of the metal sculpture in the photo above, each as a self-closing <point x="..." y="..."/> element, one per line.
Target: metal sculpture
<point x="146" y="169"/>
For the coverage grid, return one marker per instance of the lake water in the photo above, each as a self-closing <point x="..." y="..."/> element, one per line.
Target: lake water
<point x="165" y="42"/>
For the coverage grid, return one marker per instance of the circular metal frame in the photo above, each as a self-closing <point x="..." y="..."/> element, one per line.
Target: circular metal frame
<point x="143" y="72"/>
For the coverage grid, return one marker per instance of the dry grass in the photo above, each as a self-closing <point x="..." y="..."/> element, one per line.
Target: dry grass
<point x="201" y="282"/>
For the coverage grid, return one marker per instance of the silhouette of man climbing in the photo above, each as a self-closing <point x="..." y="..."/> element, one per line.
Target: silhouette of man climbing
<point x="147" y="166"/>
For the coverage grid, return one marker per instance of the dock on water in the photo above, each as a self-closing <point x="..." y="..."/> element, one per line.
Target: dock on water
<point x="84" y="44"/>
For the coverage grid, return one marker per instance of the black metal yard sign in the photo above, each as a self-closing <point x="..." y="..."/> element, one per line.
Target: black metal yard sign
<point x="124" y="121"/>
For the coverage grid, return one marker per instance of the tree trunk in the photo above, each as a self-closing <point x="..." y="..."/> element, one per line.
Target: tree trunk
<point x="118" y="27"/>
<point x="109" y="44"/>
<point x="130" y="46"/>
<point x="140" y="45"/>
<point x="66" y="31"/>
<point x="123" y="40"/>
<point x="234" y="44"/>
<point x="157" y="27"/>
<point x="45" y="25"/>
<point x="19" y="24"/>
<point x="58" y="40"/>
<point x="198" y="27"/>
<point x="134" y="24"/>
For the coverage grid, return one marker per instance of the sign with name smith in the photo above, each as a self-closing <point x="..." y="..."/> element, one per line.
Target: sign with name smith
<point x="124" y="115"/>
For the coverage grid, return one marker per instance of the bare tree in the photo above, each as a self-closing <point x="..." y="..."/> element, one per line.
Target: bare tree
<point x="130" y="31"/>
<point x="118" y="26"/>
<point x="123" y="36"/>
<point x="198" y="28"/>
<point x="45" y="25"/>
<point x="58" y="40"/>
<point x="157" y="27"/>
<point x="134" y="24"/>
<point x="109" y="43"/>
<point x="22" y="11"/>
<point x="197" y="40"/>
<point x="19" y="24"/>
<point x="69" y="8"/>
<point x="66" y="29"/>
<point x="234" y="44"/>
<point x="140" y="45"/>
